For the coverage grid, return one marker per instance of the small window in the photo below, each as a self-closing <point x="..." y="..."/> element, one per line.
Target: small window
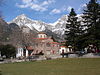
<point x="41" y="36"/>
<point x="41" y="44"/>
<point x="36" y="44"/>
<point x="48" y="44"/>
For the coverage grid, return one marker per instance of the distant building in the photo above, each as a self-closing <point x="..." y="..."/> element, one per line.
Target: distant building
<point x="65" y="49"/>
<point x="21" y="52"/>
<point x="45" y="44"/>
<point x="42" y="44"/>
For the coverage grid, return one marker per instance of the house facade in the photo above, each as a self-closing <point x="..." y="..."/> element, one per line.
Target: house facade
<point x="64" y="49"/>
<point x="42" y="44"/>
<point x="21" y="52"/>
<point x="46" y="45"/>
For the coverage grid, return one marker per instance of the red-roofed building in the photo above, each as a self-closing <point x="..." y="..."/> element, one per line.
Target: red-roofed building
<point x="45" y="44"/>
<point x="42" y="43"/>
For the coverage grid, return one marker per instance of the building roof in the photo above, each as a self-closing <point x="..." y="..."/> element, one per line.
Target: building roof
<point x="40" y="38"/>
<point x="29" y="48"/>
<point x="63" y="46"/>
<point x="41" y="33"/>
<point x="54" y="43"/>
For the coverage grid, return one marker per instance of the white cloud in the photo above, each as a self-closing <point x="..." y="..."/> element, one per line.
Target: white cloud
<point x="51" y="1"/>
<point x="35" y="1"/>
<point x="26" y="1"/>
<point x="35" y="4"/>
<point x="45" y="3"/>
<point x="38" y="8"/>
<point x="58" y="11"/>
<point x="55" y="11"/>
<point x="69" y="8"/>
<point x="82" y="6"/>
<point x="23" y="5"/>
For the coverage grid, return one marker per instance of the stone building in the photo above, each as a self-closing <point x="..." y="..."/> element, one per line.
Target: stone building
<point x="45" y="44"/>
<point x="42" y="44"/>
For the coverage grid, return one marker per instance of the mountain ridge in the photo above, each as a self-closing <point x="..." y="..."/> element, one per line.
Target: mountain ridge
<point x="57" y="27"/>
<point x="23" y="20"/>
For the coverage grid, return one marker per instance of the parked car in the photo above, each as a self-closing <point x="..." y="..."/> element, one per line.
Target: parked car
<point x="80" y="53"/>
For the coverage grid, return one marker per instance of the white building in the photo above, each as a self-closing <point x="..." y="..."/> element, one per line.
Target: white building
<point x="42" y="35"/>
<point x="65" y="49"/>
<point x="21" y="53"/>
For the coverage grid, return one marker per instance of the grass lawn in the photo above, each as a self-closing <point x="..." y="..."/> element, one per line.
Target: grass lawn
<point x="66" y="66"/>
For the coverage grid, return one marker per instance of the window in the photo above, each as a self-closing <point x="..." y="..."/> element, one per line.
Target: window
<point x="41" y="44"/>
<point x="48" y="44"/>
<point x="41" y="36"/>
<point x="36" y="44"/>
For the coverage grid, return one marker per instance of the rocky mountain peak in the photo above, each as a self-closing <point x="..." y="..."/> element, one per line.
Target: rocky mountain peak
<point x="23" y="16"/>
<point x="57" y="27"/>
<point x="23" y="20"/>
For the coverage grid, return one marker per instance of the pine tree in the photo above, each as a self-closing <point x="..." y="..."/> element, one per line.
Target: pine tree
<point x="73" y="30"/>
<point x="91" y="19"/>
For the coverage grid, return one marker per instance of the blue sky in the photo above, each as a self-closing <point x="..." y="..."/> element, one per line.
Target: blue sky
<point x="45" y="10"/>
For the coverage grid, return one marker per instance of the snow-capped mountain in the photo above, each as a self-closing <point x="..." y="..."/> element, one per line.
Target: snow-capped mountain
<point x="58" y="27"/>
<point x="23" y="20"/>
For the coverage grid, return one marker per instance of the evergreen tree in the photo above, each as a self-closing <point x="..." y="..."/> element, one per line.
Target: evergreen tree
<point x="73" y="30"/>
<point x="8" y="50"/>
<point x="91" y="19"/>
